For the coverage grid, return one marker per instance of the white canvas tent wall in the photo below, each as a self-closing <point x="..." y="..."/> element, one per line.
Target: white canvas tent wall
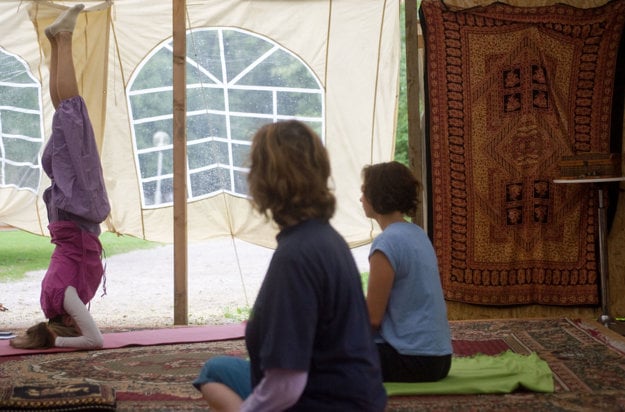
<point x="352" y="47"/>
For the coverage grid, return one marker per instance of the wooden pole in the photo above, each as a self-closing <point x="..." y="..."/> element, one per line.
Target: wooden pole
<point x="415" y="146"/>
<point x="181" y="316"/>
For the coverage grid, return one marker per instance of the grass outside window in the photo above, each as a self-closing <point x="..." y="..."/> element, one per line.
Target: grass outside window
<point x="22" y="252"/>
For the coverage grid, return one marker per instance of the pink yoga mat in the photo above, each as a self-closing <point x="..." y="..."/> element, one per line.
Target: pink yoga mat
<point x="187" y="334"/>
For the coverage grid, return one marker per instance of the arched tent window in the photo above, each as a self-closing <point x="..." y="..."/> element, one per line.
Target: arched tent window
<point x="21" y="125"/>
<point x="236" y="81"/>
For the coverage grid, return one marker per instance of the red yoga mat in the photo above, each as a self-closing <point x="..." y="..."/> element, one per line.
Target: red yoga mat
<point x="147" y="337"/>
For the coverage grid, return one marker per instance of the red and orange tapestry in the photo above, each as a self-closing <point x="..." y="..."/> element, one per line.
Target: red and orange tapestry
<point x="510" y="91"/>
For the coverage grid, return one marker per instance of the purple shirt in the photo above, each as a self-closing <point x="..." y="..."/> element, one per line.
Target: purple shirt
<point x="76" y="261"/>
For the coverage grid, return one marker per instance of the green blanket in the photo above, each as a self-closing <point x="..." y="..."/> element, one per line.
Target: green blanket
<point x="502" y="373"/>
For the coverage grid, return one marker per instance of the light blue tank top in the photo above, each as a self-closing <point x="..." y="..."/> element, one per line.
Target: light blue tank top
<point x="415" y="322"/>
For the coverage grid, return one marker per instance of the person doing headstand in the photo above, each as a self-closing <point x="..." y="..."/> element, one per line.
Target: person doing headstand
<point x="76" y="204"/>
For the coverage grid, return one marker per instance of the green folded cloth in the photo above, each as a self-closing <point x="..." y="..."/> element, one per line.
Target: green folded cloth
<point x="503" y="373"/>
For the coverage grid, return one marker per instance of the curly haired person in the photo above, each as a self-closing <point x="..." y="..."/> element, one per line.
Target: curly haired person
<point x="308" y="336"/>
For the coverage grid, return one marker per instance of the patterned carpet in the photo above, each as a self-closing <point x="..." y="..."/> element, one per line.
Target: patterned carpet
<point x="588" y="362"/>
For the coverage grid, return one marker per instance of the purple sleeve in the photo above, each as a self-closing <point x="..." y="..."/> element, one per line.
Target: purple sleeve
<point x="278" y="390"/>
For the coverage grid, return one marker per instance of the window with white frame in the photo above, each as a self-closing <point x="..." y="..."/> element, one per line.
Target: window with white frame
<point x="236" y="82"/>
<point x="21" y="125"/>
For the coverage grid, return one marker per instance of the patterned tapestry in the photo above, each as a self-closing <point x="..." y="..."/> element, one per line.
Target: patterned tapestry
<point x="510" y="91"/>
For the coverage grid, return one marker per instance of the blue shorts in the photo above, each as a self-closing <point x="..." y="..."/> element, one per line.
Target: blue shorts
<point x="229" y="370"/>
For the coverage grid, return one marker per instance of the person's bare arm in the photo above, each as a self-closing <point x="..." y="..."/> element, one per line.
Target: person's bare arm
<point x="381" y="277"/>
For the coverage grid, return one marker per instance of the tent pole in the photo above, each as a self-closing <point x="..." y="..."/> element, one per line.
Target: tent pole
<point x="180" y="163"/>
<point x="415" y="146"/>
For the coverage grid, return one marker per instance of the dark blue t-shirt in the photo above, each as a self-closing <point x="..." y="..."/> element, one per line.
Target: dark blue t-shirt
<point x="310" y="315"/>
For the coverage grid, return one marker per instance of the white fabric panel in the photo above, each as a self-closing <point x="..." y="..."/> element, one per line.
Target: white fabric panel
<point x="353" y="47"/>
<point x="19" y="207"/>
<point x="361" y="102"/>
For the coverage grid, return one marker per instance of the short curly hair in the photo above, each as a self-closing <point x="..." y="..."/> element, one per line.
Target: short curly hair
<point x="390" y="187"/>
<point x="289" y="173"/>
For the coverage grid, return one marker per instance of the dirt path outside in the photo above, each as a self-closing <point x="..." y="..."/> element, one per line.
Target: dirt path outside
<point x="223" y="279"/>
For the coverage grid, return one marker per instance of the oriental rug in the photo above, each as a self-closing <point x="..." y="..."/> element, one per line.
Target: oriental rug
<point x="61" y="398"/>
<point x="587" y="361"/>
<point x="510" y="91"/>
